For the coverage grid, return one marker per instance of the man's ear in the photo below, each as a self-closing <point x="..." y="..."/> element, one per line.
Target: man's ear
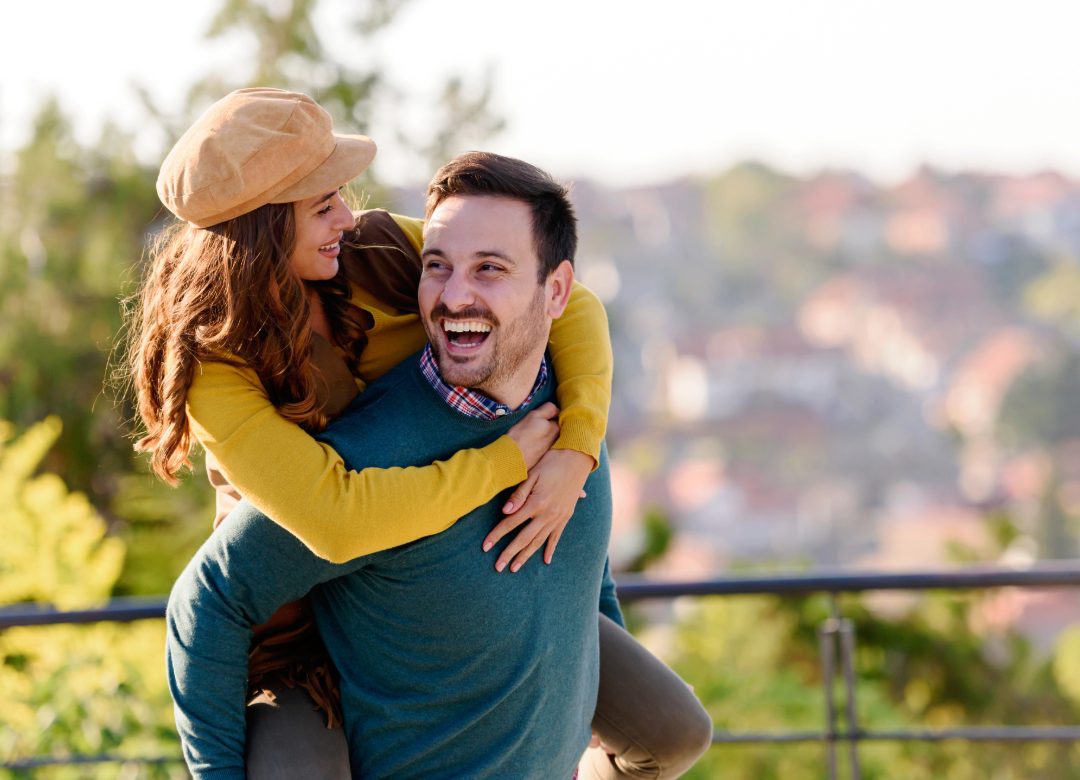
<point x="558" y="286"/>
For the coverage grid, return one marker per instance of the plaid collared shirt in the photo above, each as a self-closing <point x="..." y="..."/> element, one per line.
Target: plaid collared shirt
<point x="470" y="402"/>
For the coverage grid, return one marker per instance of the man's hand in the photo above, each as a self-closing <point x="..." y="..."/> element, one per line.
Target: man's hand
<point x="544" y="502"/>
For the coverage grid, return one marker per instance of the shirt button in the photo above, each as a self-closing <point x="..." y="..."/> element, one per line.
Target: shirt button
<point x="500" y="411"/>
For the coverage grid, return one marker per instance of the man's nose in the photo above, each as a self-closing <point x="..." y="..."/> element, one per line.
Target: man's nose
<point x="457" y="293"/>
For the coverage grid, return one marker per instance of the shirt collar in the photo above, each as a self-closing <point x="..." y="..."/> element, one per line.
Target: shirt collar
<point x="473" y="403"/>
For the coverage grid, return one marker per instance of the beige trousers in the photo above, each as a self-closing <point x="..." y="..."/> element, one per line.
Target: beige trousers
<point x="644" y="713"/>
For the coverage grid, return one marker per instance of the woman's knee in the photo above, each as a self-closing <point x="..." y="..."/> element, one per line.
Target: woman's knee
<point x="687" y="742"/>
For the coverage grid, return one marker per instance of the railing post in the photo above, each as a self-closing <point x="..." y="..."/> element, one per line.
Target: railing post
<point x="847" y="661"/>
<point x="826" y="632"/>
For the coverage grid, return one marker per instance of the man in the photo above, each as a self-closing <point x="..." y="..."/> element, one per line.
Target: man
<point x="447" y="668"/>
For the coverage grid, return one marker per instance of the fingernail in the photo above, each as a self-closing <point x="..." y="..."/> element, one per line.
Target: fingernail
<point x="500" y="565"/>
<point x="515" y="567"/>
<point x="488" y="546"/>
<point x="508" y="507"/>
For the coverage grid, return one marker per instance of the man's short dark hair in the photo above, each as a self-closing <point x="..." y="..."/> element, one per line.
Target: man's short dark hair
<point x="554" y="224"/>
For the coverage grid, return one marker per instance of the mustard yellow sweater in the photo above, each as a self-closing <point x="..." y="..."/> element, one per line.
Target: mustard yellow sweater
<point x="303" y="485"/>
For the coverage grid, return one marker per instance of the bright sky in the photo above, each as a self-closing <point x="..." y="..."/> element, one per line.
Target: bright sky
<point x="631" y="92"/>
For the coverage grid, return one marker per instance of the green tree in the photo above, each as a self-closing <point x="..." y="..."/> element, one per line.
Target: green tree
<point x="74" y="225"/>
<point x="1039" y="415"/>
<point x="74" y="222"/>
<point x="288" y="51"/>
<point x="71" y="690"/>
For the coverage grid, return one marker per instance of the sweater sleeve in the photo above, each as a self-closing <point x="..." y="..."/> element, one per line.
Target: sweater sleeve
<point x="304" y="486"/>
<point x="580" y="348"/>
<point x="609" y="599"/>
<point x="217" y="599"/>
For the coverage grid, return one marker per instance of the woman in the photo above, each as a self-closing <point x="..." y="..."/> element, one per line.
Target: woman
<point x="265" y="310"/>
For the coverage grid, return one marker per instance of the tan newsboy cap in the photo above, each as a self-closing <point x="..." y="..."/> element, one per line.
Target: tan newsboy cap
<point x="257" y="146"/>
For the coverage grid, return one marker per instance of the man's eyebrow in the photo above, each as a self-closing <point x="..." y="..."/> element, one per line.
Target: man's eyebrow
<point x="481" y="255"/>
<point x="495" y="253"/>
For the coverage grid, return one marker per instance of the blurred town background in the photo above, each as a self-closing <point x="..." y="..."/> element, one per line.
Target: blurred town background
<point x="813" y="369"/>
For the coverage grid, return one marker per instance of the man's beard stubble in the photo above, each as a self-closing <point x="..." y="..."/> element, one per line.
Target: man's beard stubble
<point x="513" y="344"/>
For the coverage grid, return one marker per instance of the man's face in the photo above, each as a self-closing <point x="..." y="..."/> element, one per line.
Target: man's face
<point x="485" y="313"/>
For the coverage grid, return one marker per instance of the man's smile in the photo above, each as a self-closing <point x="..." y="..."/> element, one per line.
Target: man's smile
<point x="466" y="334"/>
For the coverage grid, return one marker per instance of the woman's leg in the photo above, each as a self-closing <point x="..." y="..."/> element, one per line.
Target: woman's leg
<point x="287" y="738"/>
<point x="644" y="712"/>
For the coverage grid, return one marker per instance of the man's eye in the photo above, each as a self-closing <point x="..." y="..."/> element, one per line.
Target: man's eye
<point x="490" y="268"/>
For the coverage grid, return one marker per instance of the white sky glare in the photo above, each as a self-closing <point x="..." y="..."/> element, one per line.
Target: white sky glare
<point x="630" y="92"/>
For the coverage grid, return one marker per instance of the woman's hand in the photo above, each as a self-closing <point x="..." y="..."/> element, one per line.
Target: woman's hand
<point x="535" y="433"/>
<point x="544" y="502"/>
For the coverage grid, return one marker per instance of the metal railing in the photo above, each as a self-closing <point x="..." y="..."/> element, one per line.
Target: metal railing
<point x="836" y="642"/>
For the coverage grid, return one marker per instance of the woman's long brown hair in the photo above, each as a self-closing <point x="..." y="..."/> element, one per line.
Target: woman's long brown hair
<point x="228" y="293"/>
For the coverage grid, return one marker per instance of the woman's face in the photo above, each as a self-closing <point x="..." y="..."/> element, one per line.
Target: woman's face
<point x="320" y="224"/>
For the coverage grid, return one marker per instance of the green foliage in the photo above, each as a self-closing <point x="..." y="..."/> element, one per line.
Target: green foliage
<point x="742" y="203"/>
<point x="658" y="536"/>
<point x="71" y="690"/>
<point x="1066" y="663"/>
<point x="74" y="226"/>
<point x="462" y="112"/>
<point x="87" y="690"/>
<point x="1055" y="295"/>
<point x="75" y="219"/>
<point x="762" y="261"/>
<point x="754" y="662"/>
<point x="289" y="52"/>
<point x="1040" y="407"/>
<point x="55" y="549"/>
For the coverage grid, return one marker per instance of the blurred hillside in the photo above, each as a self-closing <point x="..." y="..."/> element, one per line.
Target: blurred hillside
<point x="825" y="370"/>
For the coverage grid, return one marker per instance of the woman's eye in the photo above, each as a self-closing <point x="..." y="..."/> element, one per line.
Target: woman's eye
<point x="325" y="209"/>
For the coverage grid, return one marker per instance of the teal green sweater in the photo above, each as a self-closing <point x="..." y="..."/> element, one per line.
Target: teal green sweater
<point x="448" y="669"/>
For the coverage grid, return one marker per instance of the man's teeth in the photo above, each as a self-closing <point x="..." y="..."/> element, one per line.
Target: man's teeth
<point x="465" y="326"/>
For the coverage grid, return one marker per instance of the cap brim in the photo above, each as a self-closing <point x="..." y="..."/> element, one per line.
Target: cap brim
<point x="351" y="156"/>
